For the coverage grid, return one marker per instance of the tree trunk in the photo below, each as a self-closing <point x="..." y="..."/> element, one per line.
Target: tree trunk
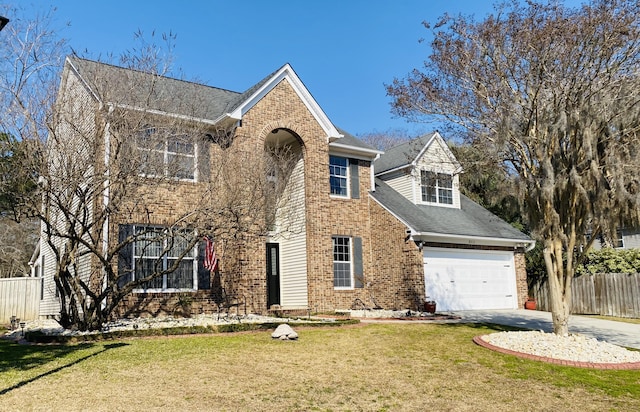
<point x="559" y="287"/>
<point x="560" y="311"/>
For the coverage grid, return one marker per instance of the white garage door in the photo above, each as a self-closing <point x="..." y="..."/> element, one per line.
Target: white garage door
<point x="459" y="279"/>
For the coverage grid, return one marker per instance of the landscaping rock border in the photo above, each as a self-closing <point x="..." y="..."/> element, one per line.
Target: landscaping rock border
<point x="552" y="355"/>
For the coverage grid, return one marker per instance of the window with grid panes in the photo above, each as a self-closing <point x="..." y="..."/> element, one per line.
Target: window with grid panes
<point x="338" y="175"/>
<point x="437" y="187"/>
<point x="342" y="273"/>
<point x="155" y="252"/>
<point x="166" y="153"/>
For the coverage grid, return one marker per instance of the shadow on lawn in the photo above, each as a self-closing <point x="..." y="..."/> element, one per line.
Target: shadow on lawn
<point x="488" y="325"/>
<point x="25" y="357"/>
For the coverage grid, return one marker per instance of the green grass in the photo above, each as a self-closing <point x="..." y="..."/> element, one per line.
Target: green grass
<point x="378" y="367"/>
<point x="626" y="320"/>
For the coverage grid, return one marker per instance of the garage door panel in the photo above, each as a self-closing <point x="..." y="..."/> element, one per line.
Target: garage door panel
<point x="468" y="279"/>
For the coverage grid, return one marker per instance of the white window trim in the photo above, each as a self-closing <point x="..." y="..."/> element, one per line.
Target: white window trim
<point x="351" y="263"/>
<point x="348" y="177"/>
<point x="165" y="260"/>
<point x="438" y="188"/>
<point x="165" y="158"/>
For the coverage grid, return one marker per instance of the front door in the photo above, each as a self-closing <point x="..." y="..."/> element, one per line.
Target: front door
<point x="273" y="274"/>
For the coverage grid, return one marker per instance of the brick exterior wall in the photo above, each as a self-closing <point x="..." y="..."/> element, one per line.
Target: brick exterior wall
<point x="398" y="282"/>
<point x="521" y="277"/>
<point x="393" y="267"/>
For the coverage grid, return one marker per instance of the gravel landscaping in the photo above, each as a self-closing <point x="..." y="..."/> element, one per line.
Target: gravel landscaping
<point x="576" y="348"/>
<point x="51" y="327"/>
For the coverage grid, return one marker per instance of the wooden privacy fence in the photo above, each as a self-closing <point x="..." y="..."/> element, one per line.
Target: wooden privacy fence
<point x="607" y="294"/>
<point x="19" y="297"/>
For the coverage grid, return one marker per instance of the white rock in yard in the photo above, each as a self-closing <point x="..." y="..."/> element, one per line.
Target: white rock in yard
<point x="284" y="332"/>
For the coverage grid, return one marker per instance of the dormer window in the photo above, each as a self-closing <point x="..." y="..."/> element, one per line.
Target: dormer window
<point x="437" y="187"/>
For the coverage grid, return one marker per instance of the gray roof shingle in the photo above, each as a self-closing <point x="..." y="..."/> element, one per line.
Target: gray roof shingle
<point x="350" y="140"/>
<point x="470" y="220"/>
<point x="121" y="86"/>
<point x="402" y="155"/>
<point x="133" y="88"/>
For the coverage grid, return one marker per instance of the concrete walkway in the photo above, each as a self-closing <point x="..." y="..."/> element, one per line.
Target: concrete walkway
<point x="618" y="333"/>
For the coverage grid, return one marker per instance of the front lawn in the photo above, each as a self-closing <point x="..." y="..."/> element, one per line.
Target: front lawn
<point x="378" y="367"/>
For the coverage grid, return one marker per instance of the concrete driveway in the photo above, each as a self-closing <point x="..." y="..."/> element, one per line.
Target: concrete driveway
<point x="618" y="333"/>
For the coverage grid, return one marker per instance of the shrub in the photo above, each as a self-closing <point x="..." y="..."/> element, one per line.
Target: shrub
<point x="610" y="261"/>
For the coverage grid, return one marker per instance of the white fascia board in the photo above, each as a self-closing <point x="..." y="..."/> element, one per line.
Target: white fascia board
<point x="86" y="84"/>
<point x="473" y="240"/>
<point x="424" y="148"/>
<point x="444" y="147"/>
<point x="286" y="72"/>
<point x="356" y="152"/>
<point x="36" y="253"/>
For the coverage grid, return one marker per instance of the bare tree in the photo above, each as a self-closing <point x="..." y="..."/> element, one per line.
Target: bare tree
<point x="17" y="242"/>
<point x="552" y="93"/>
<point x="131" y="174"/>
<point x="387" y="139"/>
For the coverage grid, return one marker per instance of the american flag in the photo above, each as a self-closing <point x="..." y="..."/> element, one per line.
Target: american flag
<point x="210" y="259"/>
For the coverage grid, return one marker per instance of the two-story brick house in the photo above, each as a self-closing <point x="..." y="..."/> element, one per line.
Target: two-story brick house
<point x="344" y="234"/>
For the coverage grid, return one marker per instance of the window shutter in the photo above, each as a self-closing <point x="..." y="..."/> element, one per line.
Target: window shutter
<point x="355" y="179"/>
<point x="358" y="272"/>
<point x="204" y="168"/>
<point x="204" y="276"/>
<point x="125" y="257"/>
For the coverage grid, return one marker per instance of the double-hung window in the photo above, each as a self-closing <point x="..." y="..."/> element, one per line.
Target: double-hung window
<point x="156" y="251"/>
<point x="338" y="175"/>
<point x="347" y="262"/>
<point x="342" y="275"/>
<point x="164" y="152"/>
<point x="437" y="187"/>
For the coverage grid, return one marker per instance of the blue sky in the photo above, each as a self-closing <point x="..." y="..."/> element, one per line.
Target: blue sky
<point x="344" y="51"/>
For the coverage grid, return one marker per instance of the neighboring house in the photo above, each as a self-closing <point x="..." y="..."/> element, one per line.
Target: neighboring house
<point x="392" y="236"/>
<point x="626" y="238"/>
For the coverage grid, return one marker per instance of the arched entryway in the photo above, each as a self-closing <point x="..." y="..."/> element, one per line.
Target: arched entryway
<point x="286" y="247"/>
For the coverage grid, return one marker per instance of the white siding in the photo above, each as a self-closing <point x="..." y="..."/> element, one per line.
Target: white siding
<point x="293" y="272"/>
<point x="402" y="182"/>
<point x="50" y="304"/>
<point x="291" y="236"/>
<point x="631" y="239"/>
<point x="71" y="153"/>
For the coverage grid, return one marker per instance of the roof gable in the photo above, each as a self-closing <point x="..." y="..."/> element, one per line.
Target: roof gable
<point x="253" y="95"/>
<point x="410" y="153"/>
<point x="133" y="89"/>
